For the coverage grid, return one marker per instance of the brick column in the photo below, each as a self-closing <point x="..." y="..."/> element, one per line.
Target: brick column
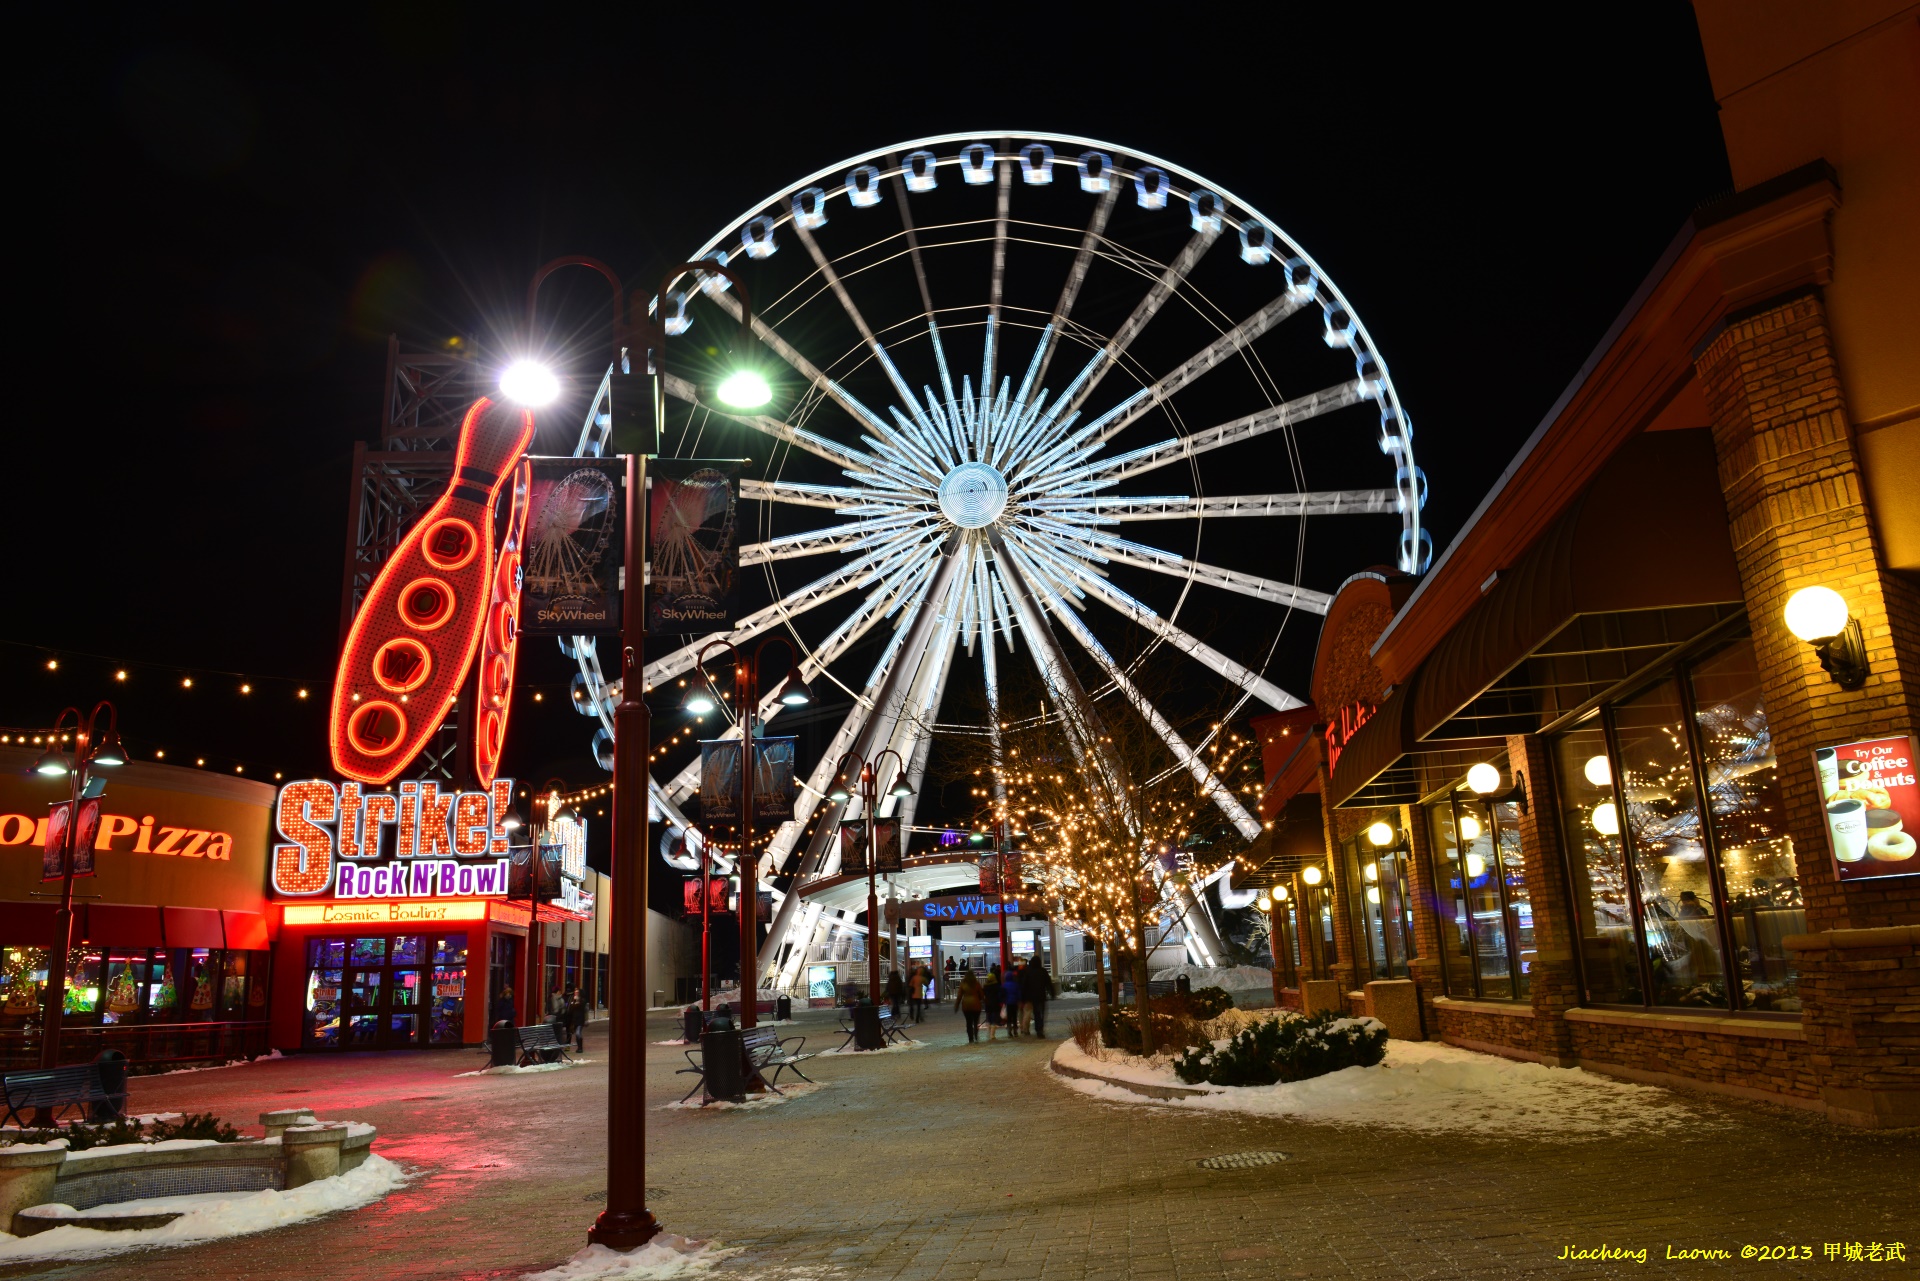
<point x="1556" y="982"/>
<point x="1790" y="475"/>
<point x="1425" y="968"/>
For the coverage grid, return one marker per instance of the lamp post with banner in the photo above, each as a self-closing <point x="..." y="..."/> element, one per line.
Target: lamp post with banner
<point x="70" y="835"/>
<point x="639" y="338"/>
<point x="867" y="1024"/>
<point x="746" y="683"/>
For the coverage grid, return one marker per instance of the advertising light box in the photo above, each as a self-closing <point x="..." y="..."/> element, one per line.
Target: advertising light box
<point x="1872" y="805"/>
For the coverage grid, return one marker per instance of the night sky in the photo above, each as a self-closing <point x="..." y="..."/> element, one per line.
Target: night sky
<point x="224" y="223"/>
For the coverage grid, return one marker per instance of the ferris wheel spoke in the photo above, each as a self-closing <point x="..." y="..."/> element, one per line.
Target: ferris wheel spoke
<point x="847" y="305"/>
<point x="914" y="729"/>
<point x="1163" y="289"/>
<point x="1094" y="544"/>
<point x="834" y="452"/>
<point x="795" y="603"/>
<point x="841" y="498"/>
<point x="836" y="538"/>
<point x="1240" y="675"/>
<point x="990" y="671"/>
<point x="1205" y="359"/>
<point x="1113" y="507"/>
<point x="1077" y="274"/>
<point x="1110" y="471"/>
<point x="1210" y="784"/>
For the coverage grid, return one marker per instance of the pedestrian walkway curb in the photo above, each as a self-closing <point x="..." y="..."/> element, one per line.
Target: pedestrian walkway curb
<point x="1136" y="1087"/>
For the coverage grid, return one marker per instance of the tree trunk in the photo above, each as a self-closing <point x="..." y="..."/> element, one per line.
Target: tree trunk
<point x="1100" y="975"/>
<point x="1140" y="1005"/>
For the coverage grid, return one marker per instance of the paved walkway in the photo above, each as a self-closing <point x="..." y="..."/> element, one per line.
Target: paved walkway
<point x="965" y="1163"/>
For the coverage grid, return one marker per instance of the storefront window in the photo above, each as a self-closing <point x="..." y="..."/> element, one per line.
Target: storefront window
<point x="1450" y="902"/>
<point x="126" y="975"/>
<point x="1485" y="912"/>
<point x="1668" y="848"/>
<point x="1763" y="904"/>
<point x="326" y="972"/>
<point x="1590" y="827"/>
<point x="1518" y="922"/>
<point x="383" y="993"/>
<point x="1376" y="900"/>
<point x="449" y="989"/>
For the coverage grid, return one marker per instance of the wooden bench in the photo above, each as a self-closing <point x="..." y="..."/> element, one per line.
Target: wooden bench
<point x="53" y="1089"/>
<point x="541" y="1043"/>
<point x="763" y="1048"/>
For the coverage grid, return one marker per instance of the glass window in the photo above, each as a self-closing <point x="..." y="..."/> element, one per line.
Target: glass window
<point x="1667" y="848"/>
<point x="448" y="1022"/>
<point x="22" y="972"/>
<point x="1590" y="835"/>
<point x="1518" y="921"/>
<point x="83" y="982"/>
<point x="1363" y="903"/>
<point x="126" y="975"/>
<point x="1450" y="903"/>
<point x="369" y="951"/>
<point x="1486" y="913"/>
<point x="326" y="953"/>
<point x="203" y="966"/>
<point x="409" y="949"/>
<point x="1763" y="903"/>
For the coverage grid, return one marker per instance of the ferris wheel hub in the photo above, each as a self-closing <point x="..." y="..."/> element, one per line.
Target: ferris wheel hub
<point x="973" y="495"/>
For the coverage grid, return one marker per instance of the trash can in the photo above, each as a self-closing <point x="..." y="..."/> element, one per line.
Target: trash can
<point x="505" y="1044"/>
<point x="692" y="1023"/>
<point x="782" y="1008"/>
<point x="722" y="1055"/>
<point x="867" y="1032"/>
<point x="112" y="1066"/>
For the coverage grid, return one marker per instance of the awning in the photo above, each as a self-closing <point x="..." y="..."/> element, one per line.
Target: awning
<point x="246" y="931"/>
<point x="194" y="927"/>
<point x="1638" y="565"/>
<point x="123" y="925"/>
<point x="26" y="924"/>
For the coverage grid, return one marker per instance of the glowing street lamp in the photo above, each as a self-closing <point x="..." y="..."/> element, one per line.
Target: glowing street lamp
<point x="529" y="383"/>
<point x="744" y="389"/>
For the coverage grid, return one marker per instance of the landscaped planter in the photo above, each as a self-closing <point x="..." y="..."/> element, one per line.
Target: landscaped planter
<point x="297" y="1150"/>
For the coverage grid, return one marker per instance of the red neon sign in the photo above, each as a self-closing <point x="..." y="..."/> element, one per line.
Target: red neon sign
<point x="500" y="637"/>
<point x="416" y="634"/>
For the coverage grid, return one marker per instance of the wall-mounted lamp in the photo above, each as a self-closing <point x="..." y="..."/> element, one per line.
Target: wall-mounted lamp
<point x="1484" y="779"/>
<point x="1818" y="616"/>
<point x="1382" y="834"/>
<point x="1279" y="893"/>
<point x="1311" y="875"/>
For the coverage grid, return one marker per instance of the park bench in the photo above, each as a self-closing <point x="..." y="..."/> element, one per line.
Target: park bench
<point x="79" y="1086"/>
<point x="541" y="1043"/>
<point x="894" y="1029"/>
<point x="763" y="1048"/>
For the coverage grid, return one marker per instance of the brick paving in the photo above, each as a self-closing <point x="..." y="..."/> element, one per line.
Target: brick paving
<point x="963" y="1163"/>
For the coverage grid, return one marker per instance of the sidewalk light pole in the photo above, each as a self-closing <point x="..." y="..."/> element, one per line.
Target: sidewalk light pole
<point x="87" y="753"/>
<point x="626" y="1223"/>
<point x="746" y="683"/>
<point x="868" y="782"/>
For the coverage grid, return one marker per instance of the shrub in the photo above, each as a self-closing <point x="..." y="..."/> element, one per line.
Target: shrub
<point x="1086" y="1031"/>
<point x="1209" y="1002"/>
<point x="1286" y="1049"/>
<point x="195" y="1125"/>
<point x="1173" y="1027"/>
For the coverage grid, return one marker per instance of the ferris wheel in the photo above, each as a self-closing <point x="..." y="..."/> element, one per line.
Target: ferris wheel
<point x="1038" y="391"/>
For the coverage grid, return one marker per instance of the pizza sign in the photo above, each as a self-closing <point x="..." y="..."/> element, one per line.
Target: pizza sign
<point x="1872" y="799"/>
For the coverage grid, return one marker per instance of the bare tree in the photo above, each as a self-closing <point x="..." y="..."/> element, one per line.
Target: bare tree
<point x="1118" y="831"/>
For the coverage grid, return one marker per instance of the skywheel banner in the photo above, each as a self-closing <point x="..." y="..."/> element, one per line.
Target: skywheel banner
<point x="576" y="541"/>
<point x="693" y="545"/>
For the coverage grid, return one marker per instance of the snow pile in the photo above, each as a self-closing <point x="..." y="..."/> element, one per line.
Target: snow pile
<point x="1237" y="978"/>
<point x="524" y="1071"/>
<point x="1423" y="1086"/>
<point x="210" y="1216"/>
<point x="788" y="1093"/>
<point x="663" y="1257"/>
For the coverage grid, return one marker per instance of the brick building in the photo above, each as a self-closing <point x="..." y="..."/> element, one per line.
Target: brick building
<point x="1581" y="783"/>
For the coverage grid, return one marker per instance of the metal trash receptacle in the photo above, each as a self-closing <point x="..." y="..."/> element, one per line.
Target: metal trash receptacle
<point x="723" y="1057"/>
<point x="504" y="1042"/>
<point x="782" y="1007"/>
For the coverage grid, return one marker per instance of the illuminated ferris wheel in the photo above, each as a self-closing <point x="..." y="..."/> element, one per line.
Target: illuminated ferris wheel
<point x="1039" y="392"/>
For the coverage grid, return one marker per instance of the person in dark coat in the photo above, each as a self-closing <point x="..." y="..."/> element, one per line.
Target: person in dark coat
<point x="968" y="1001"/>
<point x="576" y="1016"/>
<point x="502" y="1012"/>
<point x="1036" y="986"/>
<point x="994" y="994"/>
<point x="896" y="993"/>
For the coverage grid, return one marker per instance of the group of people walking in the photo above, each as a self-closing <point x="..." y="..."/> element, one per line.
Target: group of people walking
<point x="1017" y="1002"/>
<point x="911" y="993"/>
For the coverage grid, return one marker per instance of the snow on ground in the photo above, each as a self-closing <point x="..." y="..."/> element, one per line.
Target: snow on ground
<point x="788" y="1092"/>
<point x="1424" y="1086"/>
<point x="524" y="1071"/>
<point x="1232" y="978"/>
<point x="894" y="1047"/>
<point x="214" y="1215"/>
<point x="664" y="1256"/>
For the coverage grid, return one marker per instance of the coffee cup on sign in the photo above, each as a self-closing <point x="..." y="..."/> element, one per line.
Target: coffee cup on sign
<point x="1847" y="821"/>
<point x="1828" y="766"/>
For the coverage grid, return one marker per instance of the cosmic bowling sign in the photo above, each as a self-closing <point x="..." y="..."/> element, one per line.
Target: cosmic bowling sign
<point x="414" y="842"/>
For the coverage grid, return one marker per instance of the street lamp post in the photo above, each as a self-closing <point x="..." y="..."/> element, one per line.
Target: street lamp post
<point x="869" y="784"/>
<point x="87" y="753"/>
<point x="746" y="683"/>
<point x="626" y="1223"/>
